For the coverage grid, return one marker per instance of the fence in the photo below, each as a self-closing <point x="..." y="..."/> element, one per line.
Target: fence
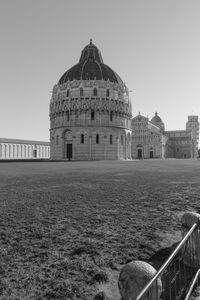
<point x="195" y="283"/>
<point x="178" y="271"/>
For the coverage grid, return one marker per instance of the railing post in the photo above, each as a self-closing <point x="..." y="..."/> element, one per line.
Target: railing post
<point x="134" y="276"/>
<point x="192" y="247"/>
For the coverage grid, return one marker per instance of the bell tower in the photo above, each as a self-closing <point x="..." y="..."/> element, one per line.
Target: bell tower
<point x="193" y="126"/>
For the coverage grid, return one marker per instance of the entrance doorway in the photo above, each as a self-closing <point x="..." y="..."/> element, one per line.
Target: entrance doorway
<point x="69" y="151"/>
<point x="140" y="153"/>
<point x="151" y="154"/>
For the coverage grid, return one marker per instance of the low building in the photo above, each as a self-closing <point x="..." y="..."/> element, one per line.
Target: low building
<point x="179" y="144"/>
<point x="23" y="149"/>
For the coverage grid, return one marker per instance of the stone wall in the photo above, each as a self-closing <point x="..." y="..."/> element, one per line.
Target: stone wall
<point x="91" y="120"/>
<point x="112" y="143"/>
<point x="21" y="149"/>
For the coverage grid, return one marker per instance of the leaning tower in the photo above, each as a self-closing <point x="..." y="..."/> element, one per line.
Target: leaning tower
<point x="193" y="126"/>
<point x="90" y="112"/>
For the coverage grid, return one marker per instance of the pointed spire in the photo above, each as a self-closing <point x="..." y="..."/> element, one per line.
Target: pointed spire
<point x="90" y="41"/>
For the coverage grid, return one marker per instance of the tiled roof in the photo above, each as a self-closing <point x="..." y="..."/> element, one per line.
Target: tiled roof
<point x="90" y="67"/>
<point x="18" y="141"/>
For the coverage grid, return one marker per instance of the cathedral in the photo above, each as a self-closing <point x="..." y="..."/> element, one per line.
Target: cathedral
<point x="91" y="119"/>
<point x="150" y="140"/>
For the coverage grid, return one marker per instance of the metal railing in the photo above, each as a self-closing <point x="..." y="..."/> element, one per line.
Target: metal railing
<point x="195" y="283"/>
<point x="177" y="272"/>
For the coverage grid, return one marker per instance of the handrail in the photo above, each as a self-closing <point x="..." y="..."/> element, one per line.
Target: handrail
<point x="167" y="262"/>
<point x="192" y="284"/>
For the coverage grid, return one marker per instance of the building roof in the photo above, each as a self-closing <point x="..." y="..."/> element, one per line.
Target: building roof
<point x="18" y="141"/>
<point x="156" y="119"/>
<point x="139" y="118"/>
<point x="90" y="67"/>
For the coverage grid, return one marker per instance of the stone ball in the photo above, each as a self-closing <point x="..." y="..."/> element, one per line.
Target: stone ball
<point x="189" y="219"/>
<point x="134" y="276"/>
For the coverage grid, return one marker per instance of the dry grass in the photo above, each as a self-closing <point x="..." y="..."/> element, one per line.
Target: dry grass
<point x="62" y="225"/>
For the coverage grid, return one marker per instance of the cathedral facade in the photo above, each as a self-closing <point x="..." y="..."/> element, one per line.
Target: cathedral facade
<point x="151" y="140"/>
<point x="91" y="119"/>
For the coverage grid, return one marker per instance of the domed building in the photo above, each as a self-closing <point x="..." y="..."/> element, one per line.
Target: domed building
<point x="90" y="112"/>
<point x="157" y="121"/>
<point x="150" y="140"/>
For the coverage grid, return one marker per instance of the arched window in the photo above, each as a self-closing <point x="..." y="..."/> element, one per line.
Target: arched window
<point x="97" y="139"/>
<point x="57" y="139"/>
<point x="67" y="114"/>
<point x="67" y="93"/>
<point x="82" y="138"/>
<point x="81" y="92"/>
<point x="35" y="152"/>
<point x="94" y="92"/>
<point x="107" y="93"/>
<point x="111" y="139"/>
<point x="122" y="140"/>
<point x="92" y="115"/>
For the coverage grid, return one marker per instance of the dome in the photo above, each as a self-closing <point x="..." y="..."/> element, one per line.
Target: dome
<point x="156" y="119"/>
<point x="90" y="67"/>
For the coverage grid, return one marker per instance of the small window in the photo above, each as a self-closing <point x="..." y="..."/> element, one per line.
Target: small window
<point x="67" y="114"/>
<point x="111" y="139"/>
<point x="97" y="139"/>
<point x="177" y="149"/>
<point x="122" y="140"/>
<point x="82" y="138"/>
<point x="92" y="115"/>
<point x="95" y="92"/>
<point x="67" y="93"/>
<point x="81" y="92"/>
<point x="57" y="139"/>
<point x="111" y="116"/>
<point x="107" y="93"/>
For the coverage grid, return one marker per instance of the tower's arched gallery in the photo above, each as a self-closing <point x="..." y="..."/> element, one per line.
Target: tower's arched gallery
<point x="91" y="118"/>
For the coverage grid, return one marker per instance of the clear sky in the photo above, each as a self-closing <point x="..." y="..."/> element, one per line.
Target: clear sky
<point x="154" y="45"/>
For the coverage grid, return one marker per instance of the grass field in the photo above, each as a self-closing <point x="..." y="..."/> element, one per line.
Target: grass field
<point x="63" y="225"/>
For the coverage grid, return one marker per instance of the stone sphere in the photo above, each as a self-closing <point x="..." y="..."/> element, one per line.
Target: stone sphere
<point x="134" y="276"/>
